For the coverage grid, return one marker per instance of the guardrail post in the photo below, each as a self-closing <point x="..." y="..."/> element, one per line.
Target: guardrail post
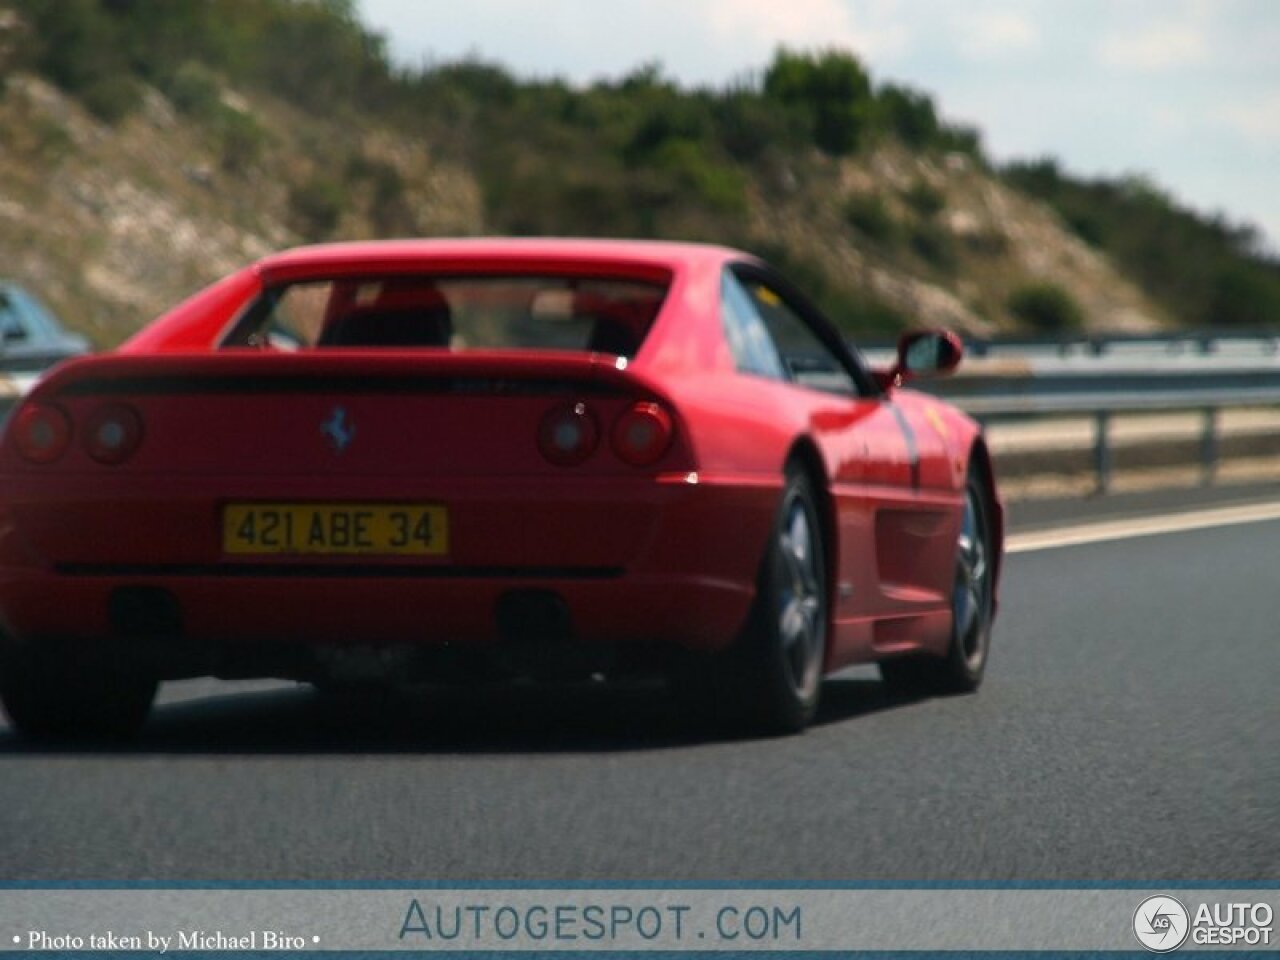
<point x="1208" y="445"/>
<point x="1102" y="449"/>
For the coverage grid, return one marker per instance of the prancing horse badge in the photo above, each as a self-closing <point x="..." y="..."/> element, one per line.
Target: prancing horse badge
<point x="339" y="429"/>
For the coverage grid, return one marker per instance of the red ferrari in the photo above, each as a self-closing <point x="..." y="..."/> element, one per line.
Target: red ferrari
<point x="417" y="461"/>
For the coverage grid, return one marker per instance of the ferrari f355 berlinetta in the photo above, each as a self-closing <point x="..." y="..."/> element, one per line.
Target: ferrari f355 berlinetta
<point x="414" y="461"/>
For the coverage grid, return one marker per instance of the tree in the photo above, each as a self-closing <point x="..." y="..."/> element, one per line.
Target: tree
<point x="1046" y="308"/>
<point x="1245" y="297"/>
<point x="78" y="47"/>
<point x="831" y="88"/>
<point x="908" y="114"/>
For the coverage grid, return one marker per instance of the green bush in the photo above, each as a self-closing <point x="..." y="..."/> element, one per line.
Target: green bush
<point x="316" y="206"/>
<point x="1088" y="227"/>
<point x="667" y="119"/>
<point x="907" y="114"/>
<point x="195" y="91"/>
<point x="716" y="185"/>
<point x="748" y="125"/>
<point x="934" y="245"/>
<point x="1046" y="308"/>
<point x="831" y="88"/>
<point x="79" y="46"/>
<point x="111" y="98"/>
<point x="50" y="140"/>
<point x="961" y="139"/>
<point x="1245" y="297"/>
<point x="241" y="139"/>
<point x="868" y="214"/>
<point x="990" y="242"/>
<point x="926" y="200"/>
<point x="528" y="197"/>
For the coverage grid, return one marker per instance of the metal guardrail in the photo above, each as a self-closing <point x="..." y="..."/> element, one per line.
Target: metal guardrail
<point x="1193" y="342"/>
<point x="1264" y="341"/>
<point x="1105" y="377"/>
<point x="1105" y="406"/>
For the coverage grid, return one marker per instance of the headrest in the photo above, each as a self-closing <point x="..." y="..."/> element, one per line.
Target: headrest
<point x="405" y="313"/>
<point x="619" y="325"/>
<point x="409" y="292"/>
<point x="376" y="327"/>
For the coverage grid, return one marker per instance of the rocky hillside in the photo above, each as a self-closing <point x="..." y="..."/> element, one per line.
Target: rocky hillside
<point x="942" y="241"/>
<point x="116" y="201"/>
<point x="112" y="224"/>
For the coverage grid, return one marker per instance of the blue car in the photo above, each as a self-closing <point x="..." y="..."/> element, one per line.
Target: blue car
<point x="31" y="338"/>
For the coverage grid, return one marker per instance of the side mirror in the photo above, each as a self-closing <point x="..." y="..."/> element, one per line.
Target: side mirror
<point x="926" y="353"/>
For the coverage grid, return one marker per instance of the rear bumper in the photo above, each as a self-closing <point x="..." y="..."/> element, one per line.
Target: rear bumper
<point x="663" y="560"/>
<point x="701" y="612"/>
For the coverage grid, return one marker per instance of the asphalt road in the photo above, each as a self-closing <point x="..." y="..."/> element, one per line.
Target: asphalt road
<point x="1129" y="729"/>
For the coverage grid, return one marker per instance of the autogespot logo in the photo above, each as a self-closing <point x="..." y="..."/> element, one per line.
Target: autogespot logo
<point x="1161" y="924"/>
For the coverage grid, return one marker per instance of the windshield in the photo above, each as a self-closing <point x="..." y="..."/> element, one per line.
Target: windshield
<point x="456" y="313"/>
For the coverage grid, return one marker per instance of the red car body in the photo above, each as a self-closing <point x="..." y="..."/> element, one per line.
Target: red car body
<point x="134" y="552"/>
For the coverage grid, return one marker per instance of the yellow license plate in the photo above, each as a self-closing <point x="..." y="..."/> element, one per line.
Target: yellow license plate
<point x="392" y="529"/>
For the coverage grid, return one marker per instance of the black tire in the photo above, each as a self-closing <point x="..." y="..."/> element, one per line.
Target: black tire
<point x="962" y="668"/>
<point x="770" y="681"/>
<point x="55" y="694"/>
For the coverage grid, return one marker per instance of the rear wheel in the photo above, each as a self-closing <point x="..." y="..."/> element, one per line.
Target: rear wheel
<point x="962" y="668"/>
<point x="60" y="694"/>
<point x="770" y="681"/>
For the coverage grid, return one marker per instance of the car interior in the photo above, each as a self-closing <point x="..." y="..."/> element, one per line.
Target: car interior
<point x="405" y="313"/>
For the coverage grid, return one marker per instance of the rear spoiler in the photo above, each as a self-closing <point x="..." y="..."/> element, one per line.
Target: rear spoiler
<point x="337" y="371"/>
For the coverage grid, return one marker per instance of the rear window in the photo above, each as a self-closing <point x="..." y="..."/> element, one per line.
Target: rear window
<point x="455" y="313"/>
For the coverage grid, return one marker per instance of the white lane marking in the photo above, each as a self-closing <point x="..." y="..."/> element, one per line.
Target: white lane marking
<point x="1142" y="527"/>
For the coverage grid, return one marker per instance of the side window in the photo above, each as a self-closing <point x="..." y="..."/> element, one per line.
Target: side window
<point x="298" y="316"/>
<point x="744" y="328"/>
<point x="806" y="359"/>
<point x="285" y="319"/>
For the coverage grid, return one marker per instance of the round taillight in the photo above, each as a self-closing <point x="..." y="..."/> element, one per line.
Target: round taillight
<point x="642" y="434"/>
<point x="568" y="434"/>
<point x="112" y="433"/>
<point x="42" y="432"/>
